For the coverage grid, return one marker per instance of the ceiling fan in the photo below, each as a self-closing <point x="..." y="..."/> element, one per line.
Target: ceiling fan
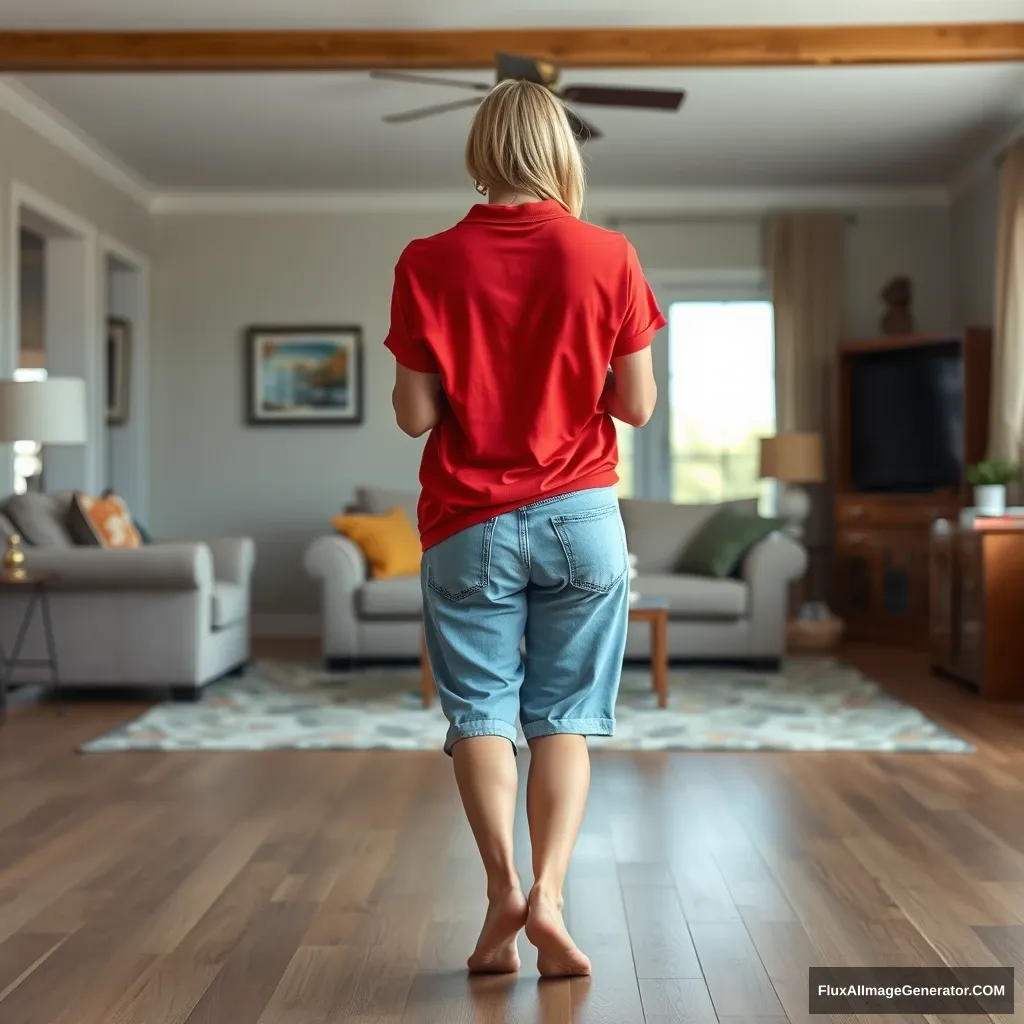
<point x="508" y="65"/>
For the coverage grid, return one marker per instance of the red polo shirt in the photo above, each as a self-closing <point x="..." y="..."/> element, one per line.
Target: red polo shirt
<point x="520" y="310"/>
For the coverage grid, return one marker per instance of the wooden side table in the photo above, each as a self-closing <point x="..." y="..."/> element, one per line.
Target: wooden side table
<point x="427" y="685"/>
<point x="656" y="614"/>
<point x="37" y="589"/>
<point x="653" y="612"/>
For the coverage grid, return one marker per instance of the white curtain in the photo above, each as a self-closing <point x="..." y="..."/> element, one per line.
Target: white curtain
<point x="806" y="258"/>
<point x="806" y="264"/>
<point x="1006" y="424"/>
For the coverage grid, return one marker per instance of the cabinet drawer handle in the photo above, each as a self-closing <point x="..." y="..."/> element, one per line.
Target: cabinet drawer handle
<point x="855" y="538"/>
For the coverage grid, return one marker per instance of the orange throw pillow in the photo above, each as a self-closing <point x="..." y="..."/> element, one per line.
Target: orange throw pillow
<point x="389" y="542"/>
<point x="107" y="519"/>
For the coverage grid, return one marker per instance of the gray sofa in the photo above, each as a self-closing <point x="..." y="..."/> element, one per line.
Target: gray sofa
<point x="741" y="619"/>
<point x="170" y="615"/>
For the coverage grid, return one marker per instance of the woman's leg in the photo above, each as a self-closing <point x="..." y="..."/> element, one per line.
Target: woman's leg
<point x="485" y="770"/>
<point x="575" y="639"/>
<point x="474" y="617"/>
<point x="556" y="797"/>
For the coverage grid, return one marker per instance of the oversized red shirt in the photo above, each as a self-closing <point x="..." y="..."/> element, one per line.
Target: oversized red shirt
<point x="520" y="310"/>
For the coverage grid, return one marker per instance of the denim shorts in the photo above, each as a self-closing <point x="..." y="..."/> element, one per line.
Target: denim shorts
<point x="525" y="618"/>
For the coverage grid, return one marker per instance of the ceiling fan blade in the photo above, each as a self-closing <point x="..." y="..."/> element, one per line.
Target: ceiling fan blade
<point x="583" y="131"/>
<point x="623" y="96"/>
<point x="403" y="76"/>
<point x="511" y="65"/>
<point x="440" y="108"/>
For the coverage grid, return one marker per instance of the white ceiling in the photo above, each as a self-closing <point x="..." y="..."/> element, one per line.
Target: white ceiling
<point x="237" y="14"/>
<point x="802" y="127"/>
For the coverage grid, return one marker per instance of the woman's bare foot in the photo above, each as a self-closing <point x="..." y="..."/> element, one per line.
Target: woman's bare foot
<point x="557" y="955"/>
<point x="496" y="950"/>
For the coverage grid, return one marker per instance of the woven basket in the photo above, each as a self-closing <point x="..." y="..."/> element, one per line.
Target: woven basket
<point x="810" y="636"/>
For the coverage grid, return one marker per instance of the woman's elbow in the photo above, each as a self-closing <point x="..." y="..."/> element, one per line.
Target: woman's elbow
<point x="411" y="421"/>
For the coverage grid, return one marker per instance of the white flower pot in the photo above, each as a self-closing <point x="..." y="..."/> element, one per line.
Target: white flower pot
<point x="990" y="499"/>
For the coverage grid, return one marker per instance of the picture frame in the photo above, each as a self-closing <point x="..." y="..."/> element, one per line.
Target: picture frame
<point x="304" y="376"/>
<point x="118" y="370"/>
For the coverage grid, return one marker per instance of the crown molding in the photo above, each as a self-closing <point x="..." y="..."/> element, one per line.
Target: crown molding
<point x="201" y="202"/>
<point x="987" y="163"/>
<point x="58" y="130"/>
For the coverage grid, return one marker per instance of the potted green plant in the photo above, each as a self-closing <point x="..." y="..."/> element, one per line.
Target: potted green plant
<point x="989" y="479"/>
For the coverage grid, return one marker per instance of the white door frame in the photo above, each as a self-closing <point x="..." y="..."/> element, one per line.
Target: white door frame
<point x="139" y="407"/>
<point x="652" y="452"/>
<point x="25" y="205"/>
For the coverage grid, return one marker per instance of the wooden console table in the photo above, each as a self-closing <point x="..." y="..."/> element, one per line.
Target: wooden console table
<point x="977" y="608"/>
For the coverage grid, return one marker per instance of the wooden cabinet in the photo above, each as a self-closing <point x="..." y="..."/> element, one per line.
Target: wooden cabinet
<point x="976" y="609"/>
<point x="882" y="581"/>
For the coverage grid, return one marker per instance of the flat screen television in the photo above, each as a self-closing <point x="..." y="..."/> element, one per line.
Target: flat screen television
<point x="907" y="419"/>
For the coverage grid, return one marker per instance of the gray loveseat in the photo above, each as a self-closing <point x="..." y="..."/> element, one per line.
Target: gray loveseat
<point x="172" y="614"/>
<point x="741" y="619"/>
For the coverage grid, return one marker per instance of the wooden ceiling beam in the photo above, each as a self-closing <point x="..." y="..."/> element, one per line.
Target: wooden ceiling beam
<point x="776" y="46"/>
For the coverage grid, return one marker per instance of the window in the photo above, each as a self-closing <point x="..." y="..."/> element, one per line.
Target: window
<point x="28" y="455"/>
<point x="721" y="397"/>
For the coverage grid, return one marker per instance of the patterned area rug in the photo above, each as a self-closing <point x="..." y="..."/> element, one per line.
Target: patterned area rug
<point x="812" y="704"/>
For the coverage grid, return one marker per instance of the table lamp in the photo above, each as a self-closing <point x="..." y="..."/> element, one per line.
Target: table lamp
<point x="793" y="459"/>
<point x="49" y="412"/>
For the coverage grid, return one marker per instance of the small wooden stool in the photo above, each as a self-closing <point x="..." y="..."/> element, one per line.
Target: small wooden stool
<point x="426" y="674"/>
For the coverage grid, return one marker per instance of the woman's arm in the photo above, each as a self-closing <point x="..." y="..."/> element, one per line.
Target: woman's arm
<point x="417" y="400"/>
<point x="631" y="392"/>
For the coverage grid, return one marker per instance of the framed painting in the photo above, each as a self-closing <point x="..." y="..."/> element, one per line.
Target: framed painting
<point x="119" y="369"/>
<point x="304" y="375"/>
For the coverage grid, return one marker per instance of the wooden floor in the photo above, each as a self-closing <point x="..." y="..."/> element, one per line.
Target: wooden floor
<point x="319" y="888"/>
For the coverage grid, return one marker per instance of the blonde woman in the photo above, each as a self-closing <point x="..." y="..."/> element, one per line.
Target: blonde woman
<point x="518" y="334"/>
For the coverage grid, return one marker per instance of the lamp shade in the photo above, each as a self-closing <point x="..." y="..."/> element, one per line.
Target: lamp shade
<point x="795" y="458"/>
<point x="48" y="411"/>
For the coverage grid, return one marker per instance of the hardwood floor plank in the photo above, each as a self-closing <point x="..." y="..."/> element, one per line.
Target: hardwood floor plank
<point x="677" y="1001"/>
<point x="253" y="970"/>
<point x="662" y="947"/>
<point x="736" y="978"/>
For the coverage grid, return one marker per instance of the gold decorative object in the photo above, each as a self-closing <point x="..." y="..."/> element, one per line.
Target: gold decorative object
<point x="14" y="559"/>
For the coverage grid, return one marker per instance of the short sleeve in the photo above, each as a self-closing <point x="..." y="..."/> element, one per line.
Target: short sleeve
<point x="642" y="318"/>
<point x="405" y="342"/>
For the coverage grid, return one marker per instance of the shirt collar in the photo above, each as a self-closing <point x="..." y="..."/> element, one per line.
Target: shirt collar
<point x="521" y="213"/>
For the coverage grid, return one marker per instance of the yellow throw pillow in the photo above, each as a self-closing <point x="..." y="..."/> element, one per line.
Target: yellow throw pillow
<point x="389" y="542"/>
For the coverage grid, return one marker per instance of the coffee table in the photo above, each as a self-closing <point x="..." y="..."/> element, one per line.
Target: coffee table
<point x="653" y="612"/>
<point x="656" y="614"/>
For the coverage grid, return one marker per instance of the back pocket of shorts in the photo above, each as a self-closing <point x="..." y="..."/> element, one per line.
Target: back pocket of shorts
<point x="460" y="565"/>
<point x="595" y="547"/>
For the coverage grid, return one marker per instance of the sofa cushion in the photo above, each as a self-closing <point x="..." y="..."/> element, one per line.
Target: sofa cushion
<point x="657" y="532"/>
<point x="389" y="542"/>
<point x="695" y="597"/>
<point x="377" y="500"/>
<point x="230" y="604"/>
<point x="719" y="546"/>
<point x="41" y="519"/>
<point x="398" y="598"/>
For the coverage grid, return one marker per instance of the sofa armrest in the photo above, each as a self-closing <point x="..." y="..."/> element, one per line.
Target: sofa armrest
<point x="768" y="570"/>
<point x="233" y="558"/>
<point x="341" y="567"/>
<point x="157" y="567"/>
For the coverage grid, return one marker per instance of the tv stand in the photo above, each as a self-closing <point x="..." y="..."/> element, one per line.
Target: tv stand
<point x="882" y="539"/>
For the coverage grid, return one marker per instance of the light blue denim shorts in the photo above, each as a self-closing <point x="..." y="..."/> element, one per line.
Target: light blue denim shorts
<point x="525" y="618"/>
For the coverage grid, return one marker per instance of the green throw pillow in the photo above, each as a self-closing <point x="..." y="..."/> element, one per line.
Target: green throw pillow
<point x="719" y="546"/>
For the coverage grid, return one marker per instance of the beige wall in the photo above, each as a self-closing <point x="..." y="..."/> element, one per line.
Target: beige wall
<point x="214" y="475"/>
<point x="974" y="219"/>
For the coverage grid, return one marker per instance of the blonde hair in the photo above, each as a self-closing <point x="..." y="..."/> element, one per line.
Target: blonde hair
<point x="521" y="139"/>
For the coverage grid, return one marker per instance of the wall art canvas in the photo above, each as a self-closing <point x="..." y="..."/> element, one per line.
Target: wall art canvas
<point x="118" y="369"/>
<point x="304" y="375"/>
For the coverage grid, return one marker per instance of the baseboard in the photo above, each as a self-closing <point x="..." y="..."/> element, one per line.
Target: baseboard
<point x="285" y="625"/>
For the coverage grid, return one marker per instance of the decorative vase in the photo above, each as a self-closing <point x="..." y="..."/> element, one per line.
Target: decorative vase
<point x="990" y="499"/>
<point x="14" y="559"/>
